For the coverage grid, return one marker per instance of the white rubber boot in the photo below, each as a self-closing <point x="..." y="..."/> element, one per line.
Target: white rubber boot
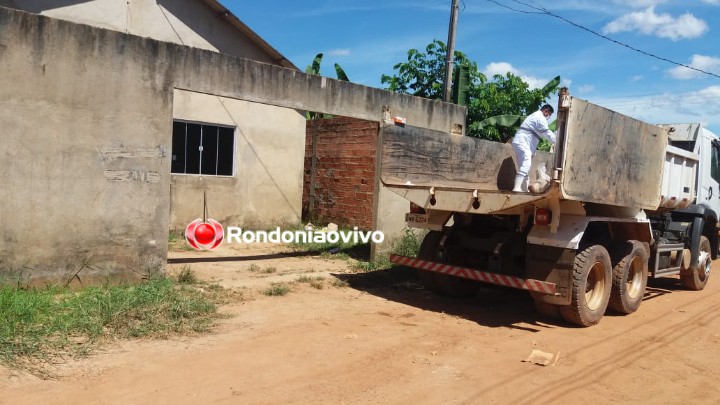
<point x="518" y="183"/>
<point x="524" y="185"/>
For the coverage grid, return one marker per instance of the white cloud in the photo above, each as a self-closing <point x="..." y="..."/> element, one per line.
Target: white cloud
<point x="695" y="106"/>
<point x="586" y="88"/>
<point x="702" y="62"/>
<point x="711" y="1"/>
<point x="661" y="25"/>
<point x="640" y="3"/>
<point x="501" y="68"/>
<point x="339" y="52"/>
<point x="637" y="78"/>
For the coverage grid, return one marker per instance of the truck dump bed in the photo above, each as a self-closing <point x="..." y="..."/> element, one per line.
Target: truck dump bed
<point x="601" y="156"/>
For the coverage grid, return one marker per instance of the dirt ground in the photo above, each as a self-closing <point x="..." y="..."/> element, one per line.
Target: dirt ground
<point x="384" y="339"/>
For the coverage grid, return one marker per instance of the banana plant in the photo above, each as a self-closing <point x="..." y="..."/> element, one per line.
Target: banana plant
<point x="314" y="69"/>
<point x="513" y="121"/>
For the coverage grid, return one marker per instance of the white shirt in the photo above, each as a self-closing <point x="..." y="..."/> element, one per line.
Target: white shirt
<point x="532" y="129"/>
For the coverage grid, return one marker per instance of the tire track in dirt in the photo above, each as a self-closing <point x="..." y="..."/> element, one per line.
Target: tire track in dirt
<point x="604" y="367"/>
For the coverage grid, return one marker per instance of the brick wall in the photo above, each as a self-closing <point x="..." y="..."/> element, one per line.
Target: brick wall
<point x="345" y="172"/>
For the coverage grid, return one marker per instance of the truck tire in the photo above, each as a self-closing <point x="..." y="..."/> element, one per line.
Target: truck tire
<point x="456" y="287"/>
<point x="630" y="276"/>
<point x="591" y="285"/>
<point x="550" y="311"/>
<point x="428" y="251"/>
<point x="696" y="277"/>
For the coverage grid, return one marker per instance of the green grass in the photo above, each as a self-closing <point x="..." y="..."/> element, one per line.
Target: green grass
<point x="175" y="236"/>
<point x="407" y="245"/>
<point x="38" y="327"/>
<point x="187" y="276"/>
<point x="315" y="282"/>
<point x="277" y="290"/>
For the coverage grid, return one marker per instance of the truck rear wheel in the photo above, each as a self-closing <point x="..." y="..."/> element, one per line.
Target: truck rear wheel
<point x="591" y="281"/>
<point x="629" y="277"/>
<point x="450" y="286"/>
<point x="550" y="311"/>
<point x="696" y="277"/>
<point x="428" y="251"/>
<point x="456" y="287"/>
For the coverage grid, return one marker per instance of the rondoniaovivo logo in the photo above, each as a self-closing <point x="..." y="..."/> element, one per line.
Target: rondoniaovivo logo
<point x="204" y="235"/>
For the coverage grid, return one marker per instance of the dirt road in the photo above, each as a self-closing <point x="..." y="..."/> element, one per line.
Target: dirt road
<point x="384" y="339"/>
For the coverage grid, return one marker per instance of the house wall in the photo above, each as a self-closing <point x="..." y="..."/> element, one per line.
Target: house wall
<point x="186" y="22"/>
<point x="87" y="118"/>
<point x="345" y="171"/>
<point x="266" y="189"/>
<point x="84" y="156"/>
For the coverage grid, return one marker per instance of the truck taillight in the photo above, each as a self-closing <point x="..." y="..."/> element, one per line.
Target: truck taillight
<point x="416" y="209"/>
<point x="543" y="216"/>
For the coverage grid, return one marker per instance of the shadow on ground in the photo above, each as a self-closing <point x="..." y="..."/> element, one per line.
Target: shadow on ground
<point x="269" y="256"/>
<point x="492" y="306"/>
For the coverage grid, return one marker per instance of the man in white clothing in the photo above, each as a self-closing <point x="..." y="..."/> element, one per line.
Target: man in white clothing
<point x="526" y="140"/>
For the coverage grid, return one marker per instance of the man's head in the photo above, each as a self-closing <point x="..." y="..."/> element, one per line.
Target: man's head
<point x="547" y="110"/>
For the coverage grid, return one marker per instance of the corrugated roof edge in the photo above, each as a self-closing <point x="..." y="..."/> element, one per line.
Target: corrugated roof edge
<point x="278" y="58"/>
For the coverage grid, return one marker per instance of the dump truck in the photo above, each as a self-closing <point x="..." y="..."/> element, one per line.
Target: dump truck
<point x="618" y="201"/>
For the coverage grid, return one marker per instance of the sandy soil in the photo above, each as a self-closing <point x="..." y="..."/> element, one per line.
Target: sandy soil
<point x="384" y="339"/>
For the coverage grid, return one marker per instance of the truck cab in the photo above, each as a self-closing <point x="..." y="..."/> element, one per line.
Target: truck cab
<point x="696" y="139"/>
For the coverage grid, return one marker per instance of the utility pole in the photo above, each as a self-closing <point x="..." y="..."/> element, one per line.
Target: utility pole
<point x="449" y="60"/>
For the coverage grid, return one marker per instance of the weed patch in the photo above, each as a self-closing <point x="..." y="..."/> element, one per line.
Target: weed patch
<point x="277" y="290"/>
<point x="315" y="282"/>
<point x="38" y="327"/>
<point x="187" y="276"/>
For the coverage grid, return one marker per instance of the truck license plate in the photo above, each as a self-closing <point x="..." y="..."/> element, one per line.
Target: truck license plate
<point x="416" y="220"/>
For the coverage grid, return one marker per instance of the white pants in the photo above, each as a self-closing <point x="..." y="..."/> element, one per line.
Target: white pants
<point x="524" y="159"/>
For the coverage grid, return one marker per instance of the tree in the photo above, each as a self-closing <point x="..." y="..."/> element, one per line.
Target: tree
<point x="495" y="108"/>
<point x="499" y="107"/>
<point x="423" y="73"/>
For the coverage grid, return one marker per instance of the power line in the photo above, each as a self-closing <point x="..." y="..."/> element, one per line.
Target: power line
<point x="515" y="9"/>
<point x="543" y="10"/>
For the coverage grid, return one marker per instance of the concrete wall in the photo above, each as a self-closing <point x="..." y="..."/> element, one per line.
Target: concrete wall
<point x="187" y="22"/>
<point x="84" y="180"/>
<point x="345" y="171"/>
<point x="266" y="189"/>
<point x="86" y="116"/>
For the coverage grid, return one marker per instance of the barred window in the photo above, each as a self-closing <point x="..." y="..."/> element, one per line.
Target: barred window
<point x="202" y="149"/>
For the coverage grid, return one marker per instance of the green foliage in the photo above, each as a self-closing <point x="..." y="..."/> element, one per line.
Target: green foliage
<point x="424" y="72"/>
<point x="341" y="73"/>
<point x="423" y="75"/>
<point x="505" y="96"/>
<point x="408" y="245"/>
<point x="461" y="85"/>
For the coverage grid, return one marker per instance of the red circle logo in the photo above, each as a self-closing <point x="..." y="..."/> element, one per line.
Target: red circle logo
<point x="204" y="235"/>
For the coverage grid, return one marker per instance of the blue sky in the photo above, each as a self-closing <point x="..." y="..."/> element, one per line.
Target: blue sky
<point x="368" y="37"/>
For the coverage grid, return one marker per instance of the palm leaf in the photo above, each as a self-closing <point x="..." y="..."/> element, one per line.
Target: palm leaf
<point x="501" y="121"/>
<point x="314" y="68"/>
<point x="341" y="73"/>
<point x="551" y="86"/>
